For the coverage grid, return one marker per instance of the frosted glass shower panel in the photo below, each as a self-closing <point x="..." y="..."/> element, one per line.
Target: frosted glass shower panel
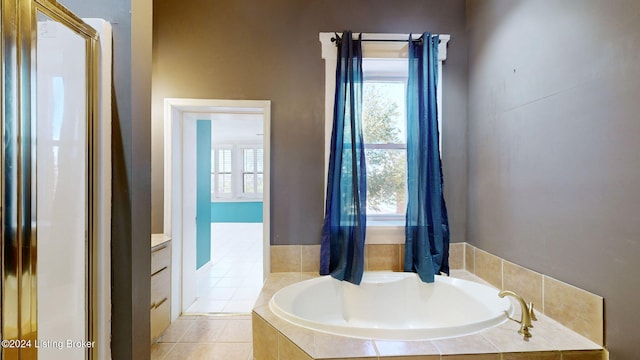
<point x="61" y="167"/>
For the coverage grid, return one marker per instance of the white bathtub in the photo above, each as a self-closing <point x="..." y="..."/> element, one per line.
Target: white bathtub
<point x="392" y="305"/>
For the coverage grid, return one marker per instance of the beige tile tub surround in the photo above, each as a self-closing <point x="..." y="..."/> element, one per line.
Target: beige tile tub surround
<point x="265" y="339"/>
<point x="489" y="268"/>
<point x="277" y="339"/>
<point x="584" y="312"/>
<point x="309" y="258"/>
<point x="582" y="355"/>
<point x="579" y="310"/>
<point x="473" y="357"/>
<point x="382" y="257"/>
<point x="456" y="255"/>
<point x="295" y="258"/>
<point x="288" y="350"/>
<point x="526" y="283"/>
<point x="469" y="258"/>
<point x="286" y="258"/>
<point x="306" y="258"/>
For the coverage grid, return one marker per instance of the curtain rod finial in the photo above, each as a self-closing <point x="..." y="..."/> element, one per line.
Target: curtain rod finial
<point x="336" y="39"/>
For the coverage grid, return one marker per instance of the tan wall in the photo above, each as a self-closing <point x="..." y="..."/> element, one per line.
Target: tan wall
<point x="554" y="181"/>
<point x="269" y="50"/>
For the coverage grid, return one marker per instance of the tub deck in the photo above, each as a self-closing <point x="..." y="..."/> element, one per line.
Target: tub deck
<point x="277" y="339"/>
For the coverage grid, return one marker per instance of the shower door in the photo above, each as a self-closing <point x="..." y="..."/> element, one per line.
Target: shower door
<point x="49" y="197"/>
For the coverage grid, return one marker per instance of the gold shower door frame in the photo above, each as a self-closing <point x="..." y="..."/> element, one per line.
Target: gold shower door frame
<point x="18" y="177"/>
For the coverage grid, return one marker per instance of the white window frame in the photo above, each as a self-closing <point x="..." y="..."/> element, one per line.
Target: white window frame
<point x="215" y="195"/>
<point x="386" y="219"/>
<point x="378" y="232"/>
<point x="255" y="172"/>
<point x="237" y="193"/>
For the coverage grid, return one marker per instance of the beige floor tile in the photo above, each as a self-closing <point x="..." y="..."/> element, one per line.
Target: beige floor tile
<point x="231" y="351"/>
<point x="160" y="350"/>
<point x="236" y="331"/>
<point x="236" y="262"/>
<point x="239" y="306"/>
<point x="206" y="337"/>
<point x="218" y="351"/>
<point x="190" y="352"/>
<point x="177" y="330"/>
<point x="204" y="331"/>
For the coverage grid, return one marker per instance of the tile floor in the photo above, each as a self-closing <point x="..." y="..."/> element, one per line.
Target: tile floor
<point x="206" y="337"/>
<point x="218" y="324"/>
<point x="233" y="280"/>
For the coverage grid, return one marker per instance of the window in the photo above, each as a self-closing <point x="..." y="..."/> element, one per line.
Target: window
<point x="237" y="171"/>
<point x="385" y="72"/>
<point x="252" y="173"/>
<point x="384" y="125"/>
<point x="221" y="172"/>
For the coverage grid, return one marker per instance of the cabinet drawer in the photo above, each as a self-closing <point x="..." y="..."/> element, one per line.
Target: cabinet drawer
<point x="160" y="302"/>
<point x="160" y="319"/>
<point x="160" y="258"/>
<point x="160" y="287"/>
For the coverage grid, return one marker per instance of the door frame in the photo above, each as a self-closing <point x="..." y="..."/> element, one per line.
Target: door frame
<point x="174" y="110"/>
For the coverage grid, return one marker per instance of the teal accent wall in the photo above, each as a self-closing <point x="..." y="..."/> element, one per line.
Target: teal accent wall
<point x="237" y="212"/>
<point x="203" y="193"/>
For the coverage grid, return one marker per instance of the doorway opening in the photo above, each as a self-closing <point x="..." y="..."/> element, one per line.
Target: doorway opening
<point x="217" y="202"/>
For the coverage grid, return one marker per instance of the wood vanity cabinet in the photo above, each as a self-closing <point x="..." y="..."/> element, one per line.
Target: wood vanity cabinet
<point x="160" y="289"/>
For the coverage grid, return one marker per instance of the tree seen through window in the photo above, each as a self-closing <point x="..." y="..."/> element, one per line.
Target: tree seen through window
<point x="384" y="127"/>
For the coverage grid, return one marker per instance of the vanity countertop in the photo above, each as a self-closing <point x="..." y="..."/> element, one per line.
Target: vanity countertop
<point x="159" y="239"/>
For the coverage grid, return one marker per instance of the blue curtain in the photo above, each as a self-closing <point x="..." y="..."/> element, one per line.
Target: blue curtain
<point x="427" y="226"/>
<point x="343" y="230"/>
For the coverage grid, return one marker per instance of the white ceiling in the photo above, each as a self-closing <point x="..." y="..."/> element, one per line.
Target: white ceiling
<point x="232" y="127"/>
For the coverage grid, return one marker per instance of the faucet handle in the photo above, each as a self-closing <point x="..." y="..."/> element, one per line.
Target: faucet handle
<point x="532" y="314"/>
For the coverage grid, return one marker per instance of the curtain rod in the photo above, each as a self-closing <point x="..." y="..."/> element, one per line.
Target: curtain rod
<point x="337" y="39"/>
